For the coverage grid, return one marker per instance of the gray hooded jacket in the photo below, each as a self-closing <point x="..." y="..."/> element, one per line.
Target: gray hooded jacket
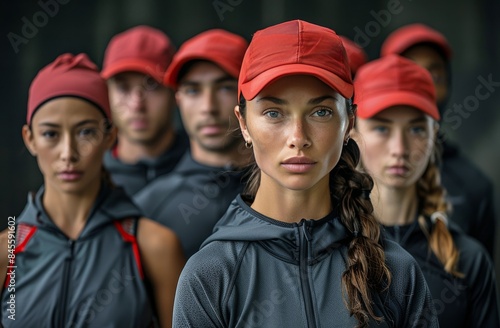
<point x="258" y="272"/>
<point x="93" y="281"/>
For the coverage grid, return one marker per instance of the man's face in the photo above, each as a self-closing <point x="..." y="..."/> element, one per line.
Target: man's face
<point x="206" y="97"/>
<point x="142" y="107"/>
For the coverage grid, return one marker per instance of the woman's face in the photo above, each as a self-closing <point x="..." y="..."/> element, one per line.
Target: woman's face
<point x="297" y="126"/>
<point x="396" y="145"/>
<point x="68" y="138"/>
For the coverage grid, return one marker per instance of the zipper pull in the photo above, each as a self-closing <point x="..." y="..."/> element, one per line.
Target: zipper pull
<point x="71" y="245"/>
<point x="305" y="230"/>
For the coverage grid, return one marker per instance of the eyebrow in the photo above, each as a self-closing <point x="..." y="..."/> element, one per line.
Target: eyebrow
<point x="385" y="120"/>
<point x="225" y="78"/>
<point x="314" y="101"/>
<point x="54" y="125"/>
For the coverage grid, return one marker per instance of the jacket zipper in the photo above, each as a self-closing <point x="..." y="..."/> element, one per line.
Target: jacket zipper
<point x="65" y="282"/>
<point x="397" y="236"/>
<point x="304" y="277"/>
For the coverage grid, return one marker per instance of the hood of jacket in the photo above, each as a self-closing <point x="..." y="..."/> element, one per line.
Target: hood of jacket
<point x="111" y="204"/>
<point x="283" y="240"/>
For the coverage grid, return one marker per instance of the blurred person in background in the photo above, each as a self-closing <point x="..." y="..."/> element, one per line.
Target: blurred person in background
<point x="195" y="195"/>
<point x="143" y="108"/>
<point x="84" y="254"/>
<point x="396" y="128"/>
<point x="469" y="190"/>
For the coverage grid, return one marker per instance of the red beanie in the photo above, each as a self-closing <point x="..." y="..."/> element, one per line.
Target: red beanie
<point x="392" y="81"/>
<point x="71" y="76"/>
<point x="218" y="46"/>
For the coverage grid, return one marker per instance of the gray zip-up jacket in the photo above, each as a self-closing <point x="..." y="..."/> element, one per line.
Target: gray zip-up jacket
<point x="190" y="200"/>
<point x="258" y="272"/>
<point x="93" y="281"/>
<point x="470" y="301"/>
<point x="134" y="177"/>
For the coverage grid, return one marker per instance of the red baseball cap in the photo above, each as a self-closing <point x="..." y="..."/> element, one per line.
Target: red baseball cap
<point x="140" y="49"/>
<point x="219" y="46"/>
<point x="292" y="48"/>
<point x="356" y="55"/>
<point x="408" y="36"/>
<point x="392" y="81"/>
<point x="68" y="76"/>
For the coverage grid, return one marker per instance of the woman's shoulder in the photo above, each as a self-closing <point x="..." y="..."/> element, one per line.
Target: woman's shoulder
<point x="396" y="256"/>
<point x="214" y="264"/>
<point x="405" y="271"/>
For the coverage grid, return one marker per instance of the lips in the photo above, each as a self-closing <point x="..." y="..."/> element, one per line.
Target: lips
<point x="138" y="123"/>
<point x="212" y="129"/>
<point x="400" y="170"/>
<point x="298" y="164"/>
<point x="70" y="175"/>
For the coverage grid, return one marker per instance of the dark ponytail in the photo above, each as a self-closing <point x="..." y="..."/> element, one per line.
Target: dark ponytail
<point x="366" y="269"/>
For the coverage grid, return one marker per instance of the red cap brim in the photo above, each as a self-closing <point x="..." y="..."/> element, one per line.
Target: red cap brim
<point x="377" y="103"/>
<point x="251" y="88"/>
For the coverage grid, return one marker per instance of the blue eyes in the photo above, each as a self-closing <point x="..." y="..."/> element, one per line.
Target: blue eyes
<point x="415" y="130"/>
<point x="322" y="113"/>
<point x="272" y="114"/>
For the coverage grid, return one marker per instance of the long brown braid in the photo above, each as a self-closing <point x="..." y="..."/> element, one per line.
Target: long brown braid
<point x="431" y="196"/>
<point x="366" y="269"/>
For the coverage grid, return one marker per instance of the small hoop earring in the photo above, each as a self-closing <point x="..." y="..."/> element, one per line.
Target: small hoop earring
<point x="248" y="145"/>
<point x="346" y="141"/>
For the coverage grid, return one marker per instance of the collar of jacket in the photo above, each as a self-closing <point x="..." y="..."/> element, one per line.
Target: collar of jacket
<point x="283" y="240"/>
<point x="111" y="204"/>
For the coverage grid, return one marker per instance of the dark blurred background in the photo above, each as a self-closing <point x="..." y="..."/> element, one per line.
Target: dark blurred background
<point x="35" y="32"/>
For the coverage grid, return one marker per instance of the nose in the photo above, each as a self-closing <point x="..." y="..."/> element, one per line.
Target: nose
<point x="399" y="145"/>
<point x="69" y="152"/>
<point x="136" y="99"/>
<point x="299" y="135"/>
<point x="208" y="100"/>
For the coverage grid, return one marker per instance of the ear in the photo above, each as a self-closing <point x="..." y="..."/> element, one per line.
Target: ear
<point x="28" y="140"/>
<point x="243" y="125"/>
<point x="350" y="128"/>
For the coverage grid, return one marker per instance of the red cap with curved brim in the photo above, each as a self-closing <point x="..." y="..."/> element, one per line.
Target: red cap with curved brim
<point x="408" y="36"/>
<point x="68" y="76"/>
<point x="140" y="49"/>
<point x="221" y="47"/>
<point x="293" y="48"/>
<point x="394" y="81"/>
<point x="355" y="54"/>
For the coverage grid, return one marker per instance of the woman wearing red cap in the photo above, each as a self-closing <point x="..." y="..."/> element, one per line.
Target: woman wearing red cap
<point x="396" y="130"/>
<point x="301" y="247"/>
<point x="80" y="254"/>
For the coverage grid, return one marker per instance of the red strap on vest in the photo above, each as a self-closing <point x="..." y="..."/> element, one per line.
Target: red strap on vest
<point x="125" y="228"/>
<point x="24" y="232"/>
